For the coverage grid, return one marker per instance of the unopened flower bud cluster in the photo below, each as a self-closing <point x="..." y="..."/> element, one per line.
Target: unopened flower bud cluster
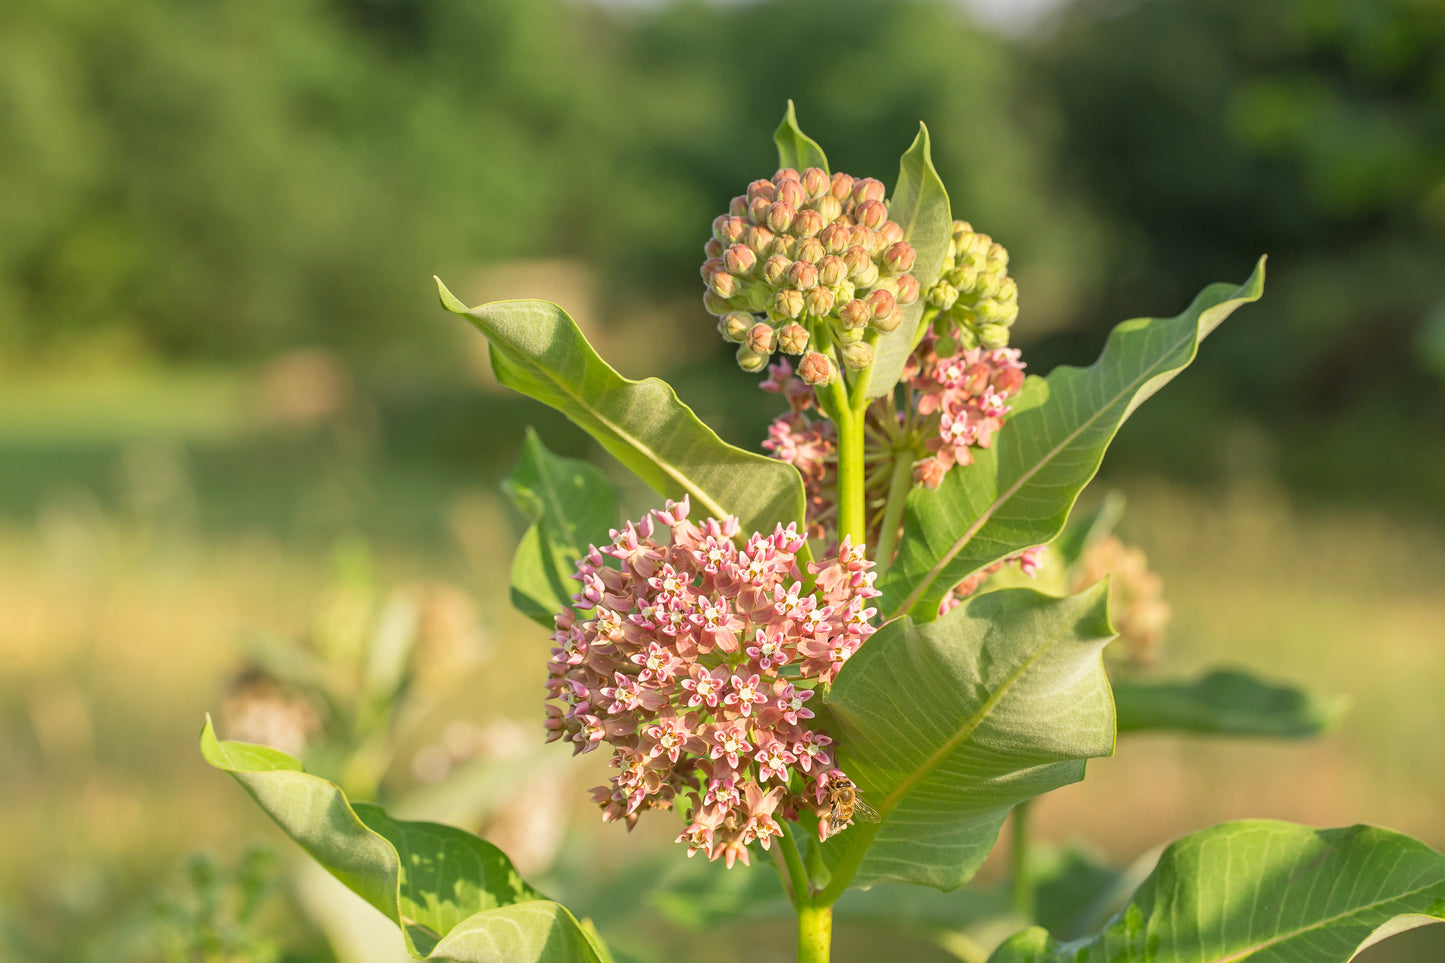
<point x="803" y="262"/>
<point x="695" y="661"/>
<point x="977" y="301"/>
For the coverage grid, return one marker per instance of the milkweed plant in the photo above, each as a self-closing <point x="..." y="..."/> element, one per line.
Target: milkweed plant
<point x="848" y="656"/>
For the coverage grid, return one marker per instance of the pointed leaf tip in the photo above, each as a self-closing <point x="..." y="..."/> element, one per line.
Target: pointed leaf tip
<point x="448" y="299"/>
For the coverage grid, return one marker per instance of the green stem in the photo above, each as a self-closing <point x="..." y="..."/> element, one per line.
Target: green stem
<point x="800" y="886"/>
<point x="1023" y="884"/>
<point x="898" y="488"/>
<point x="815" y="933"/>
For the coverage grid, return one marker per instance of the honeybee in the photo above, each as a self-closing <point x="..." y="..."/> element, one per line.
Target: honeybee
<point x="847" y="805"/>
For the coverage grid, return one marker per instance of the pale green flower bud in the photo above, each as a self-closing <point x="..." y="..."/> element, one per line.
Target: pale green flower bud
<point x="751" y="361"/>
<point x="809" y="249"/>
<point x="847" y="336"/>
<point x="803" y="275"/>
<point x="762" y="338"/>
<point x="782" y="244"/>
<point x="864" y="238"/>
<point x="868" y="277"/>
<point x="816" y="369"/>
<point x="818" y="301"/>
<point x="829" y="208"/>
<point x="832" y="270"/>
<point x="836" y="237"/>
<point x="787" y="305"/>
<point x="755" y="297"/>
<point x="855" y="314"/>
<point x="723" y="284"/>
<point x="871" y="214"/>
<point x="759" y="239"/>
<point x="943" y="295"/>
<point x="889" y="323"/>
<point x="964" y="278"/>
<point x="841" y="186"/>
<point x="740" y="260"/>
<point x="808" y="223"/>
<point x="967" y="339"/>
<point x="844" y="291"/>
<point x="997" y="255"/>
<point x="897" y="258"/>
<point x="793" y="338"/>
<point x="993" y="335"/>
<point x="775" y="270"/>
<point x="734" y="326"/>
<point x="815" y="182"/>
<point x="715" y="305"/>
<point x="858" y="356"/>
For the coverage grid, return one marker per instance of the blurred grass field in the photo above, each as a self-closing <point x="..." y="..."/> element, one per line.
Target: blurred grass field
<point x="153" y="525"/>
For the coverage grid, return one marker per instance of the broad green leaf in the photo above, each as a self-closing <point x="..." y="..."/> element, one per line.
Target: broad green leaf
<point x="571" y="507"/>
<point x="1070" y="887"/>
<point x="795" y="148"/>
<point x="1224" y="702"/>
<point x="946" y="726"/>
<point x="538" y="350"/>
<point x="1019" y="492"/>
<point x="1084" y="531"/>
<point x="427" y="878"/>
<point x="920" y="206"/>
<point x="1266" y="892"/>
<point x="535" y="932"/>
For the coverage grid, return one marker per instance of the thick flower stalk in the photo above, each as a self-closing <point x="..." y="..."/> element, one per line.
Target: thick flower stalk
<point x="695" y="660"/>
<point x="810" y="265"/>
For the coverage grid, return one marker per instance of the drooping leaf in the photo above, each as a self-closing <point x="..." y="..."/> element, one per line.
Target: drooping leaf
<point x="538" y="350"/>
<point x="1019" y="492"/>
<point x="1224" y="702"/>
<point x="1263" y="892"/>
<point x="946" y="726"/>
<point x="427" y="878"/>
<point x="571" y="507"/>
<point x="920" y="206"/>
<point x="795" y="148"/>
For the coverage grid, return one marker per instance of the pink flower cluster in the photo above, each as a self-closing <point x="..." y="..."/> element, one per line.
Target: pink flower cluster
<point x="969" y="391"/>
<point x="695" y="661"/>
<point x="809" y="445"/>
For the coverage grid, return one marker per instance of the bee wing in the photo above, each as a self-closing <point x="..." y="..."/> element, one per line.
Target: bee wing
<point x="865" y="812"/>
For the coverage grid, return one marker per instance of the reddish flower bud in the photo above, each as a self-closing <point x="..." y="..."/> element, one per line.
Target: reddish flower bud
<point x="808" y="223"/>
<point x="816" y="369"/>
<point x="814" y="181"/>
<point x="892" y="232"/>
<point x="713" y="248"/>
<point x="803" y="275"/>
<point x="864" y="238"/>
<point x="809" y="249"/>
<point x="792" y="194"/>
<point x="882" y="303"/>
<point x="723" y="284"/>
<point x="890" y="323"/>
<point x="787" y="304"/>
<point x="858" y="356"/>
<point x="767" y="190"/>
<point x="836" y="237"/>
<point x="751" y="361"/>
<point x="907" y="289"/>
<point x="759" y="239"/>
<point x="857" y="261"/>
<point x="740" y="260"/>
<point x="1008" y="380"/>
<point x="818" y="301"/>
<point x="762" y="338"/>
<point x="975" y="377"/>
<point x="871" y="214"/>
<point x="831" y="270"/>
<point x="868" y="189"/>
<point x="734" y="326"/>
<point x="785" y="174"/>
<point x="775" y="270"/>
<point x="738" y="206"/>
<point x="780" y="216"/>
<point x="729" y="229"/>
<point x="841" y="186"/>
<point x="710" y="267"/>
<point x="897" y="258"/>
<point x="758" y="210"/>
<point x="855" y="314"/>
<point x="793" y="338"/>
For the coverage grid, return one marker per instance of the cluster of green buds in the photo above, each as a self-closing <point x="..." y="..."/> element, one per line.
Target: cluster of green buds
<point x="977" y="301"/>
<point x="806" y="262"/>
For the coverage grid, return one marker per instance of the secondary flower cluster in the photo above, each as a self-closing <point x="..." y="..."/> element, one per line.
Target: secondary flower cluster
<point x="962" y="398"/>
<point x="695" y="660"/>
<point x="974" y="294"/>
<point x="1136" y="596"/>
<point x="806" y="261"/>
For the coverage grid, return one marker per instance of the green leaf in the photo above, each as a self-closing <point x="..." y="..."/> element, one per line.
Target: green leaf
<point x="536" y="932"/>
<point x="427" y="878"/>
<point x="1263" y="891"/>
<point x="1224" y="702"/>
<point x="1019" y="492"/>
<point x="920" y="206"/>
<point x="571" y="507"/>
<point x="795" y="148"/>
<point x="538" y="350"/>
<point x="1082" y="532"/>
<point x="946" y="726"/>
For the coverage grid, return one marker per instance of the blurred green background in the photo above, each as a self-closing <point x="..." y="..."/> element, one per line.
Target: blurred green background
<point x="222" y="366"/>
